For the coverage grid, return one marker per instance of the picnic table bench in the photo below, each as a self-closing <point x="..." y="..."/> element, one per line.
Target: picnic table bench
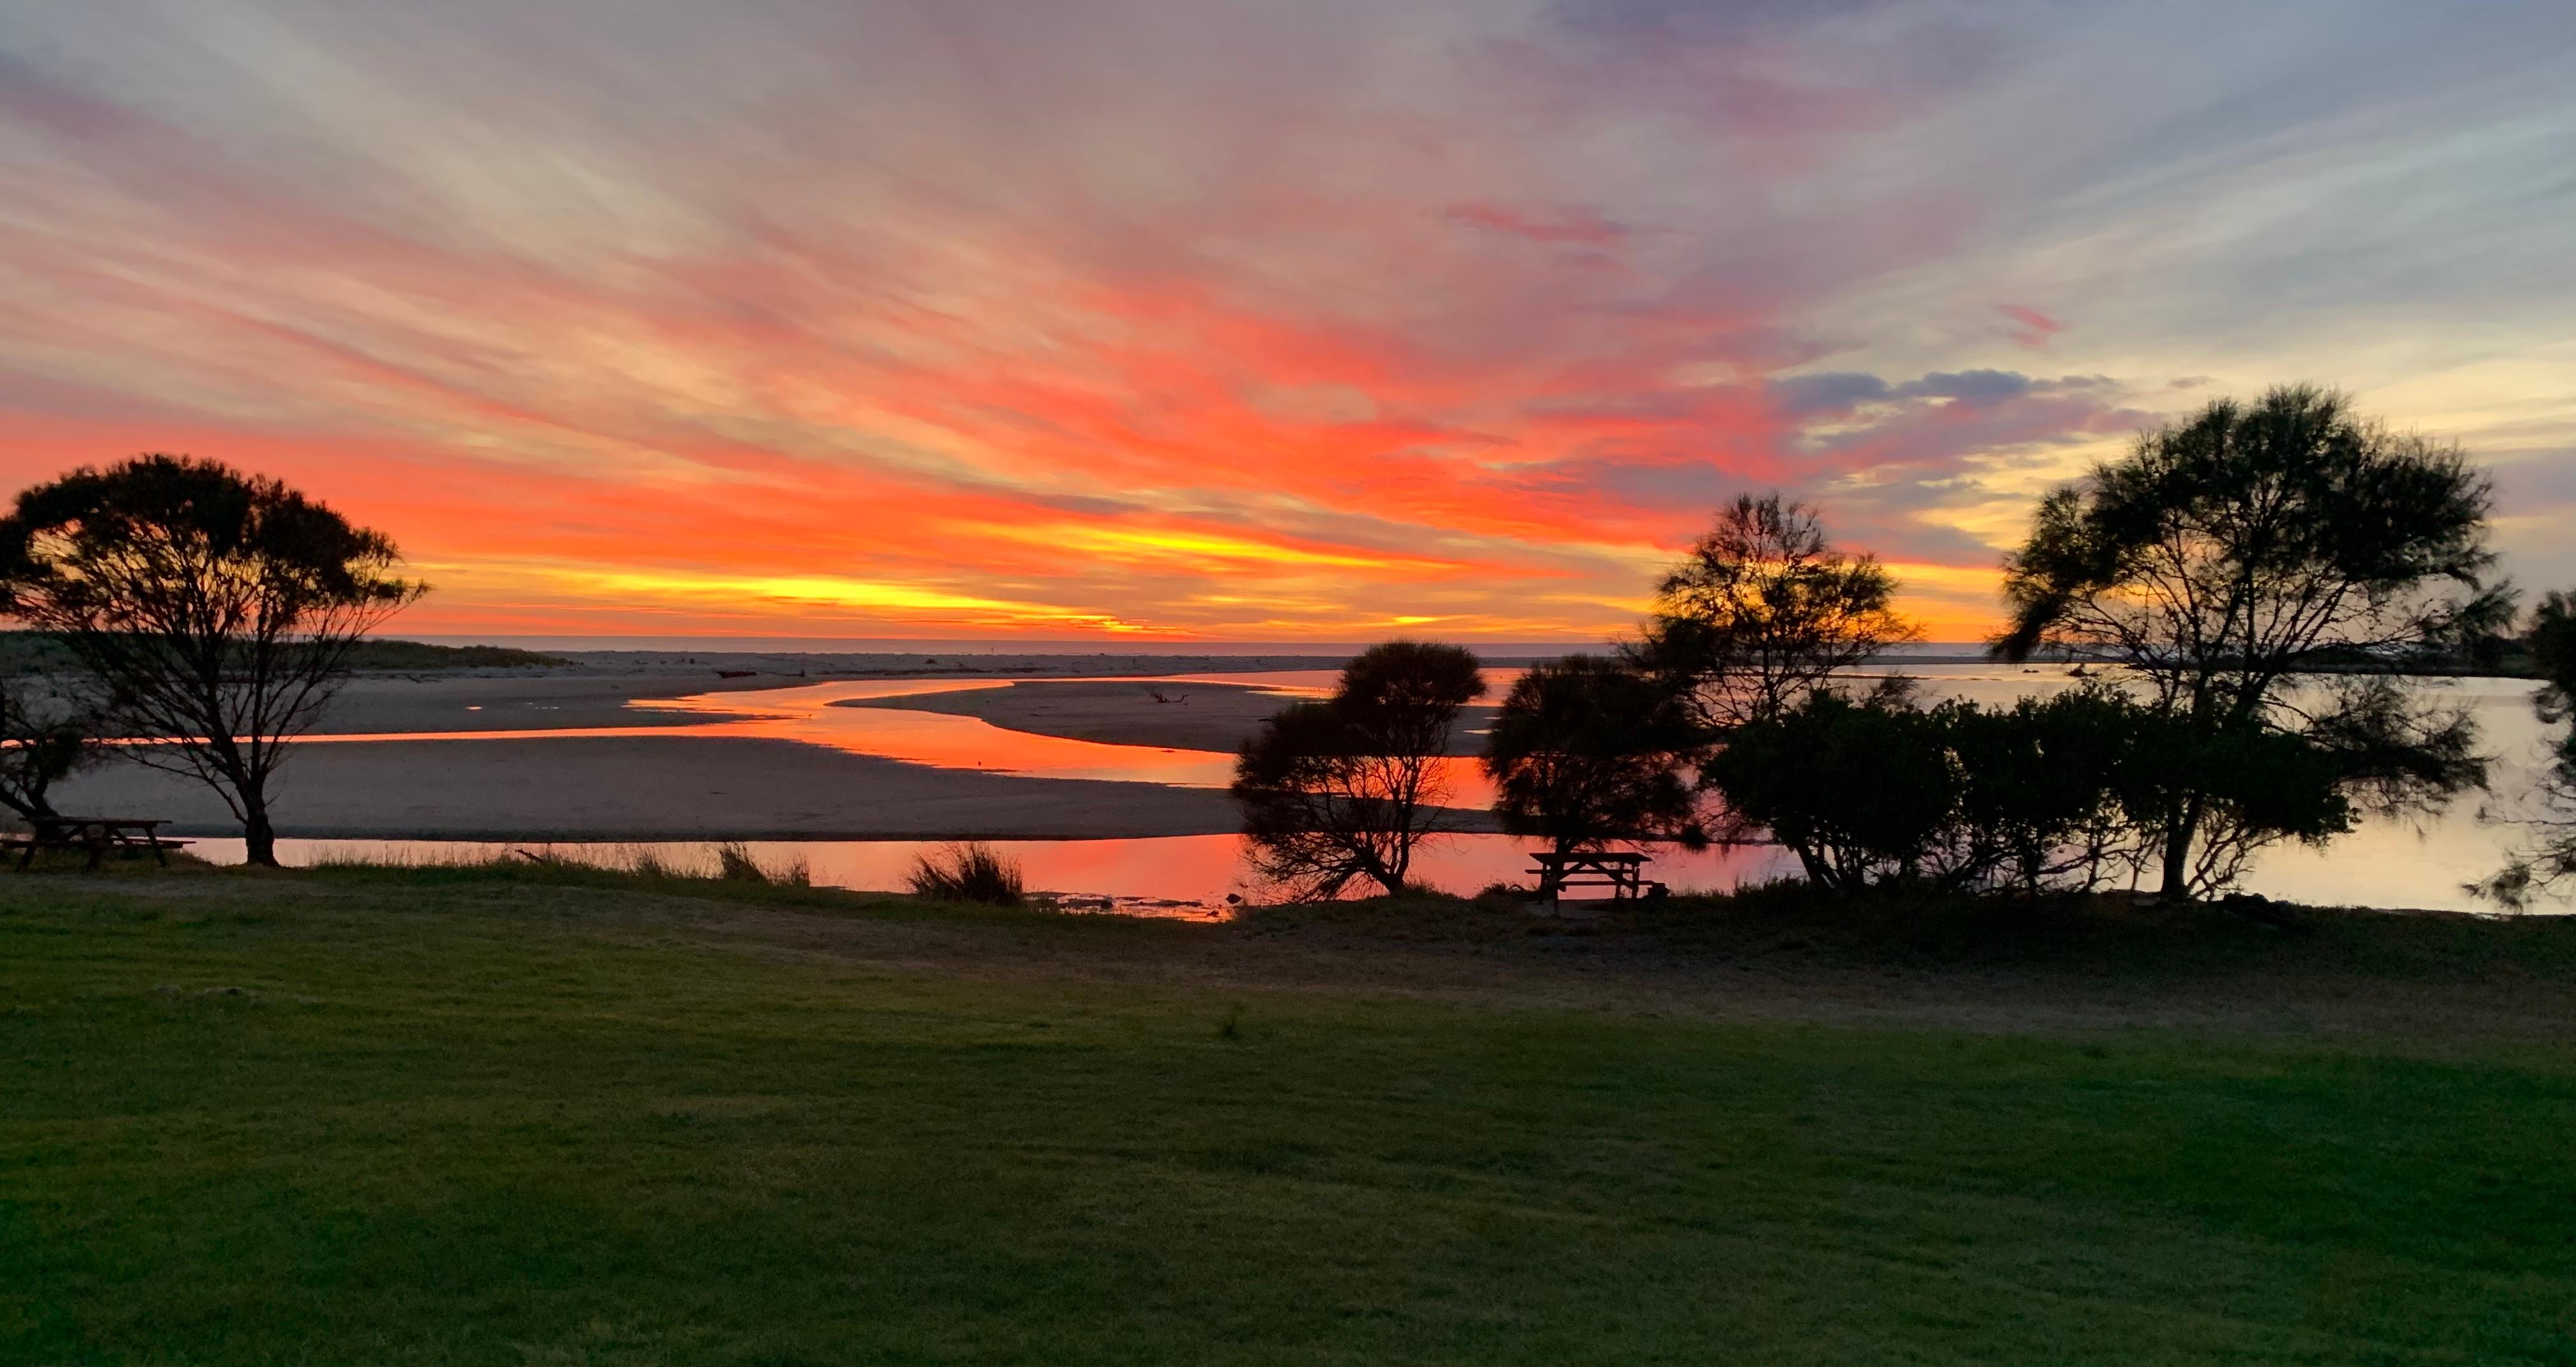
<point x="1621" y="872"/>
<point x="96" y="834"/>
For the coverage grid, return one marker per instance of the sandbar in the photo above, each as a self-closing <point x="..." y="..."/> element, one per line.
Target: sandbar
<point x="626" y="787"/>
<point x="650" y="788"/>
<point x="1184" y="716"/>
<point x="615" y="688"/>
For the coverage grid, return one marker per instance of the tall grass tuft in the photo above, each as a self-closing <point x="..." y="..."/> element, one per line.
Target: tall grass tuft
<point x="644" y="861"/>
<point x="732" y="862"/>
<point x="735" y="863"/>
<point x="973" y="872"/>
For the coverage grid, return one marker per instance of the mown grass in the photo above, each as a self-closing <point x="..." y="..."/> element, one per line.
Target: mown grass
<point x="543" y="1116"/>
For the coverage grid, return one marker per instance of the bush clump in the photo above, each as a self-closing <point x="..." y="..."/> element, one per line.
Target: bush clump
<point x="972" y="872"/>
<point x="2060" y="795"/>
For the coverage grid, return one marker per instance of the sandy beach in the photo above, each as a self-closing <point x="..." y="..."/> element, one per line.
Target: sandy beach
<point x="649" y="788"/>
<point x="626" y="787"/>
<point x="1192" y="716"/>
<point x="595" y="688"/>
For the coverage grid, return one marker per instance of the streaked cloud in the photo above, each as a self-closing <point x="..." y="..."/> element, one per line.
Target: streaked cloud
<point x="1249" y="320"/>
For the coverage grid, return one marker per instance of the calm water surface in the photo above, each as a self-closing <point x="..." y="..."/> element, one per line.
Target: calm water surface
<point x="811" y="714"/>
<point x="808" y="714"/>
<point x="2387" y="864"/>
<point x="1187" y="876"/>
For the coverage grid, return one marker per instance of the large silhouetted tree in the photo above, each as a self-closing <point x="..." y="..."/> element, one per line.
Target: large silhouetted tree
<point x="1346" y="788"/>
<point x="1587" y="750"/>
<point x="2271" y="565"/>
<point x="217" y="610"/>
<point x="1763" y="611"/>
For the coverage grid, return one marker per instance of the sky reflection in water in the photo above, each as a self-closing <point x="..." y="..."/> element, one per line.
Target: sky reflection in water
<point x="2385" y="863"/>
<point x="808" y="713"/>
<point x="1187" y="876"/>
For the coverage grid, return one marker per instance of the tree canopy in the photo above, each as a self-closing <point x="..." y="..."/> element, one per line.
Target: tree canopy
<point x="217" y="610"/>
<point x="2231" y="558"/>
<point x="1347" y="788"/>
<point x="1585" y="750"/>
<point x="2054" y="794"/>
<point x="1764" y="610"/>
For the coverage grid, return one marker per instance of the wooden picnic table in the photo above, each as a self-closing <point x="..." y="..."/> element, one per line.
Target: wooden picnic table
<point x="96" y="834"/>
<point x="1622" y="872"/>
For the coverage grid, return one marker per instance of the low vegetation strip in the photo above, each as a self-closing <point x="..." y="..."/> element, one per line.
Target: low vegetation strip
<point x="25" y="652"/>
<point x="538" y="1115"/>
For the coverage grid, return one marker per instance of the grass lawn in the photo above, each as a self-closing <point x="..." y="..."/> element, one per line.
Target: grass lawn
<point x="430" y="1118"/>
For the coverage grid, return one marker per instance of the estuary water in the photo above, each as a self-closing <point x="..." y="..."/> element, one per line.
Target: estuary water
<point x="2415" y="864"/>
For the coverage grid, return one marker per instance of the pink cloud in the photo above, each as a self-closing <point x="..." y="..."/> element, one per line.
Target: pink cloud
<point x="1572" y="225"/>
<point x="1260" y="325"/>
<point x="2031" y="328"/>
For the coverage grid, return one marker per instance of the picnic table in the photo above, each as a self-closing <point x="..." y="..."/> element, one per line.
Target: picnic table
<point x="1622" y="872"/>
<point x="96" y="834"/>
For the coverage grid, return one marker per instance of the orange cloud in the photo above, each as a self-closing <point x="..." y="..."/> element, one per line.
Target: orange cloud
<point x="1447" y="352"/>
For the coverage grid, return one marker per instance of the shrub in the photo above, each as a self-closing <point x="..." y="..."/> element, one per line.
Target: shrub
<point x="971" y="872"/>
<point x="1858" y="791"/>
<point x="2048" y="795"/>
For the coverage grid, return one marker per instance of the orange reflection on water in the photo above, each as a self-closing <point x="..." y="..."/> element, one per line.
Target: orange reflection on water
<point x="810" y="714"/>
<point x="1186" y="876"/>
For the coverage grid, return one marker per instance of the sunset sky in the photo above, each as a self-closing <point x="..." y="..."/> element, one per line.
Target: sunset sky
<point x="1316" y="320"/>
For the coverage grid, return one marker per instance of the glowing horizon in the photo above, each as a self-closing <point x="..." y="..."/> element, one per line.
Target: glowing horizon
<point x="1250" y="323"/>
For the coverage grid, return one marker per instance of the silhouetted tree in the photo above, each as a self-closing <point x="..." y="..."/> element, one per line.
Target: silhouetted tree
<point x="1764" y="610"/>
<point x="1347" y="787"/>
<point x="1587" y="750"/>
<point x="216" y="609"/>
<point x="45" y="737"/>
<point x="2047" y="787"/>
<point x="2549" y="862"/>
<point x="2230" y="559"/>
<point x="1859" y="790"/>
<point x="2047" y="795"/>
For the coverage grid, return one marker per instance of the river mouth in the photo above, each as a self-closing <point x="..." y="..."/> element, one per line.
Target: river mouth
<point x="2392" y="864"/>
<point x="819" y="715"/>
<point x="811" y="714"/>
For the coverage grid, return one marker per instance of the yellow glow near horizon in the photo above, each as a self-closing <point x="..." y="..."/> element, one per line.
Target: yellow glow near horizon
<point x="1115" y="541"/>
<point x="830" y="591"/>
<point x="1952" y="603"/>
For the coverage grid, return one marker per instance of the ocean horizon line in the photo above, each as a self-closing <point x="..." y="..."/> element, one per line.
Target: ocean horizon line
<point x="849" y="645"/>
